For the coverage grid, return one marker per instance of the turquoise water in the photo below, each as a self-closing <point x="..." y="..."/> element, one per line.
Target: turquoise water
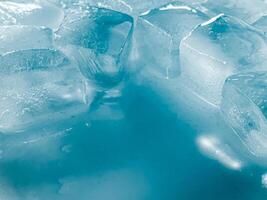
<point x="101" y="105"/>
<point x="149" y="154"/>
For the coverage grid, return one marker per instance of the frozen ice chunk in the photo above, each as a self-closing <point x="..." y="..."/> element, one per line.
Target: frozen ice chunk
<point x="32" y="13"/>
<point x="246" y="10"/>
<point x="39" y="87"/>
<point x="19" y="37"/>
<point x="261" y="23"/>
<point x="216" y="49"/>
<point x="98" y="39"/>
<point x="165" y="18"/>
<point x="244" y="106"/>
<point x="159" y="32"/>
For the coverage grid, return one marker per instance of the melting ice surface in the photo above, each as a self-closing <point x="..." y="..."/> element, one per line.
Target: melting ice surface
<point x="17" y="38"/>
<point x="159" y="33"/>
<point x="38" y="84"/>
<point x="30" y="13"/>
<point x="114" y="100"/>
<point x="249" y="11"/>
<point x="244" y="104"/>
<point x="98" y="39"/>
<point x="218" y="48"/>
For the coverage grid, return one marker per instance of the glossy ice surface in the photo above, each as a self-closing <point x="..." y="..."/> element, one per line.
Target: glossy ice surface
<point x="159" y="33"/>
<point x="133" y="100"/>
<point x="39" y="87"/>
<point x="244" y="104"/>
<point x="218" y="48"/>
<point x="98" y="39"/>
<point x="249" y="11"/>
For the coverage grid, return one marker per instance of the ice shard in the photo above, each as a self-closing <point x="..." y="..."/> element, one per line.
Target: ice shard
<point x="39" y="87"/>
<point x="159" y="32"/>
<point x="30" y="13"/>
<point x="216" y="49"/>
<point x="20" y="37"/>
<point x="247" y="10"/>
<point x="98" y="39"/>
<point x="244" y="106"/>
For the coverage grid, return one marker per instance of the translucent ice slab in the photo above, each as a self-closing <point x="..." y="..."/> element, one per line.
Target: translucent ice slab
<point x="30" y="13"/>
<point x="244" y="106"/>
<point x="98" y="39"/>
<point x="20" y="37"/>
<point x="159" y="32"/>
<point x="39" y="87"/>
<point x="246" y="10"/>
<point x="216" y="49"/>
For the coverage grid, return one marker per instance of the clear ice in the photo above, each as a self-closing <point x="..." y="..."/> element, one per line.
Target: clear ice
<point x="30" y="13"/>
<point x="247" y="10"/>
<point x="159" y="33"/>
<point x="216" y="49"/>
<point x="98" y="40"/>
<point x="244" y="105"/>
<point x="38" y="84"/>
<point x="133" y="99"/>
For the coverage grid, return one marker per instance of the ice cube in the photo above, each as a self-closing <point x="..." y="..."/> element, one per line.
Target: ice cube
<point x="98" y="39"/>
<point x="30" y="13"/>
<point x="39" y="87"/>
<point x="216" y="49"/>
<point x="158" y="35"/>
<point x="20" y="37"/>
<point x="244" y="105"/>
<point x="246" y="10"/>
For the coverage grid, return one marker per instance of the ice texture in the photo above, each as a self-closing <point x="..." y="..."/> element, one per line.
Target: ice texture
<point x="130" y="7"/>
<point x="158" y="32"/>
<point x="244" y="106"/>
<point x="216" y="49"/>
<point x="247" y="10"/>
<point x="136" y="7"/>
<point x="98" y="39"/>
<point x="39" y="87"/>
<point x="103" y="111"/>
<point x="21" y="37"/>
<point x="261" y="23"/>
<point x="30" y="13"/>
